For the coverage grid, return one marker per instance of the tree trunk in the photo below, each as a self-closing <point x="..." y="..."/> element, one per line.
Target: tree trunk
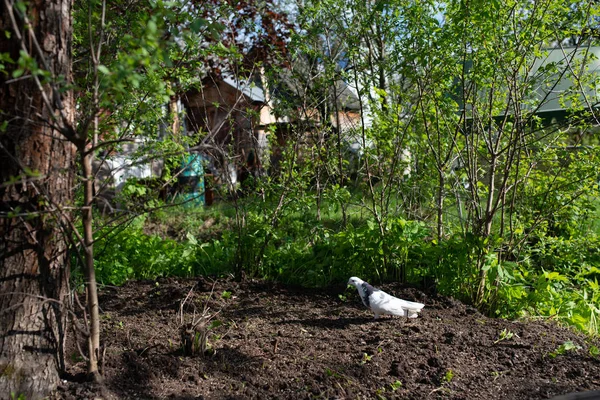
<point x="90" y="271"/>
<point x="487" y="230"/>
<point x="36" y="178"/>
<point x="440" y="204"/>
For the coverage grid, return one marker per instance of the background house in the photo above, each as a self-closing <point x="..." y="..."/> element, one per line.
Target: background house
<point x="231" y="115"/>
<point x="236" y="116"/>
<point x="564" y="79"/>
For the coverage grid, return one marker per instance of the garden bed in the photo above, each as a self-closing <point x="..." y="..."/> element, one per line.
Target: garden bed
<point x="282" y="342"/>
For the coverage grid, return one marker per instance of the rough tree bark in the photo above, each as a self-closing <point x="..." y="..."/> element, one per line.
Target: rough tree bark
<point x="36" y="180"/>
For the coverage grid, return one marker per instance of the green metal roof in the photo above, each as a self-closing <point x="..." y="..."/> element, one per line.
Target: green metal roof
<point x="558" y="73"/>
<point x="555" y="76"/>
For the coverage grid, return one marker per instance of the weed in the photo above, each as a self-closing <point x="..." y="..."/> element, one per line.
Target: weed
<point x="379" y="393"/>
<point x="332" y="373"/>
<point x="448" y="376"/>
<point x="564" y="348"/>
<point x="594" y="351"/>
<point x="504" y="335"/>
<point x="194" y="334"/>
<point x="226" y="295"/>
<point x="365" y="359"/>
<point x="396" y="385"/>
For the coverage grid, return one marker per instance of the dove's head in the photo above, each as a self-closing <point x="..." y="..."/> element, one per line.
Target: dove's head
<point x="354" y="281"/>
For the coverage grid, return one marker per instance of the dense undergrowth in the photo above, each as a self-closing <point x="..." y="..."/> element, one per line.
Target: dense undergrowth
<point x="550" y="277"/>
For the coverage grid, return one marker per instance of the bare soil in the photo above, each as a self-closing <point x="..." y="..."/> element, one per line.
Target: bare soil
<point x="278" y="342"/>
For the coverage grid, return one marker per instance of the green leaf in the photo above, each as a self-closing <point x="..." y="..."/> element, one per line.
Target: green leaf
<point x="152" y="28"/>
<point x="21" y="6"/>
<point x="198" y="24"/>
<point x="103" y="69"/>
<point x="215" y="324"/>
<point x="191" y="239"/>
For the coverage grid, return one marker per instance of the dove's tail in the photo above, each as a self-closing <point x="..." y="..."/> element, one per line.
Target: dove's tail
<point x="413" y="309"/>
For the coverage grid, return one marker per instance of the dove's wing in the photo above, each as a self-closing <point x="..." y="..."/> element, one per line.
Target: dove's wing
<point x="383" y="303"/>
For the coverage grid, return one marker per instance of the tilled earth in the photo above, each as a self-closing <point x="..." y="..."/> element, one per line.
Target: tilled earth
<point x="267" y="341"/>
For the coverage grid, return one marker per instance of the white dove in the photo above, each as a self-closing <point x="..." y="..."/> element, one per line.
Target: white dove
<point x="382" y="303"/>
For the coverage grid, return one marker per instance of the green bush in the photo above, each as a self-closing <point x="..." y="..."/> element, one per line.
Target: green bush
<point x="549" y="276"/>
<point x="128" y="253"/>
<point x="318" y="256"/>
<point x="559" y="280"/>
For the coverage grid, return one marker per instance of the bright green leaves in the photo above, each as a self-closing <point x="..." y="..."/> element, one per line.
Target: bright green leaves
<point x="131" y="77"/>
<point x="151" y="28"/>
<point x="21" y="6"/>
<point x="26" y="63"/>
<point x="139" y="58"/>
<point x="5" y="62"/>
<point x="564" y="348"/>
<point x="103" y="69"/>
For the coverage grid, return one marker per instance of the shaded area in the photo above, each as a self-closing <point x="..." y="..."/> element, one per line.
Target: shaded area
<point x="287" y="343"/>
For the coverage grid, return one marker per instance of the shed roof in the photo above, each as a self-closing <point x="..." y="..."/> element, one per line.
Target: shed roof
<point x="248" y="88"/>
<point x="557" y="73"/>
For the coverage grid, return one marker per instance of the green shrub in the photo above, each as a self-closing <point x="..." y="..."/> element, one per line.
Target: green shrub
<point x="129" y="253"/>
<point x="548" y="276"/>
